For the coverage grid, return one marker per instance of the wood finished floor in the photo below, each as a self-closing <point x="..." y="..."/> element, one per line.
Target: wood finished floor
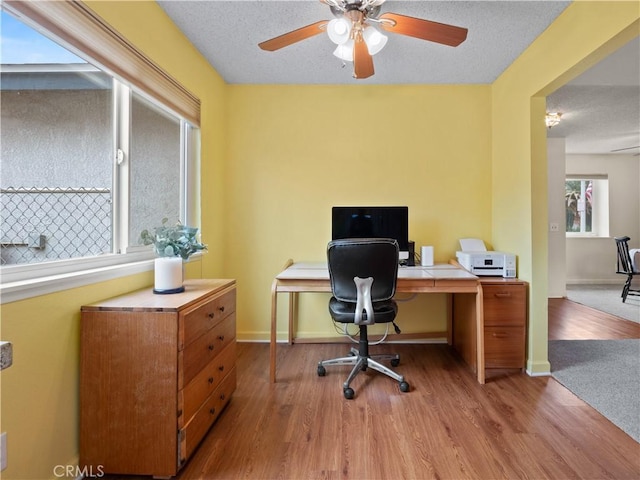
<point x="447" y="427"/>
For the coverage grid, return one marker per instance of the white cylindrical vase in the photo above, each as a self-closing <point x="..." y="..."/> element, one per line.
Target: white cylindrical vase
<point x="426" y="256"/>
<point x="168" y="275"/>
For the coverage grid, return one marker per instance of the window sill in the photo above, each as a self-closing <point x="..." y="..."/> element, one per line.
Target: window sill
<point x="23" y="289"/>
<point x="586" y="235"/>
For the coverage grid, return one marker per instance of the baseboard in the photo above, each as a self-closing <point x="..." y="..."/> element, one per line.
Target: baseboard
<point x="538" y="374"/>
<point x="595" y="281"/>
<point x="538" y="369"/>
<point x="431" y="337"/>
<point x="408" y="338"/>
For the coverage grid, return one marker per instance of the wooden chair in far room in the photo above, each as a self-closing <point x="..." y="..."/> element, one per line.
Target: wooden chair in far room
<point x="626" y="266"/>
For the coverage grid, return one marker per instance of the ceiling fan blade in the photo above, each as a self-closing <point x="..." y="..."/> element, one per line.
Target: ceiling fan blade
<point x="362" y="60"/>
<point x="423" y="29"/>
<point x="622" y="149"/>
<point x="295" y="36"/>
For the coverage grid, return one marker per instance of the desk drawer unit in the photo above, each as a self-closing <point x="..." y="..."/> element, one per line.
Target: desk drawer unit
<point x="505" y="322"/>
<point x="156" y="371"/>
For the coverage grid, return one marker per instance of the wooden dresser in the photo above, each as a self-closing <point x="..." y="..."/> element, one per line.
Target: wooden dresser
<point x="155" y="373"/>
<point x="505" y="324"/>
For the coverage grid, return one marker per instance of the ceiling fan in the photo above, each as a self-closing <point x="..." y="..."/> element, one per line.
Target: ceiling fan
<point x="353" y="31"/>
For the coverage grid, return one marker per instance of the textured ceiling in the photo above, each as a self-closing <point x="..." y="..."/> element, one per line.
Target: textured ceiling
<point x="227" y="33"/>
<point x="601" y="109"/>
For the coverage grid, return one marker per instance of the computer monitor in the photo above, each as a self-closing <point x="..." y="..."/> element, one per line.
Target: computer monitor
<point x="372" y="222"/>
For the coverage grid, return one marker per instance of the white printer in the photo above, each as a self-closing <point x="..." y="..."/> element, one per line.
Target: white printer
<point x="475" y="258"/>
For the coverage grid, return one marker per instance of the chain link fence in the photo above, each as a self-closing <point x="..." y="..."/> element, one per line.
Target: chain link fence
<point x="42" y="224"/>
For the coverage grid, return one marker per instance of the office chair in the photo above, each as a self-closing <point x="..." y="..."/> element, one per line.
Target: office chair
<point x="363" y="274"/>
<point x="625" y="266"/>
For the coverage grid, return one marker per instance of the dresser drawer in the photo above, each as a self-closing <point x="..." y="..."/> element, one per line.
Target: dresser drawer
<point x="204" y="383"/>
<point x="504" y="305"/>
<point x="205" y="316"/>
<point x="504" y="347"/>
<point x="205" y="348"/>
<point x="192" y="434"/>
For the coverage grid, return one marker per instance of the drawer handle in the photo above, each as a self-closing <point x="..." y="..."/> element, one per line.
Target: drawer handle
<point x="210" y="347"/>
<point x="211" y="315"/>
<point x="499" y="335"/>
<point x="222" y="397"/>
<point x="221" y="308"/>
<point x="210" y="379"/>
<point x="221" y="338"/>
<point x="221" y="368"/>
<point x="212" y="411"/>
<point x="503" y="294"/>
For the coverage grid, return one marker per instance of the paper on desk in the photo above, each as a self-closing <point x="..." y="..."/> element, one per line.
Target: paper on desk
<point x="472" y="245"/>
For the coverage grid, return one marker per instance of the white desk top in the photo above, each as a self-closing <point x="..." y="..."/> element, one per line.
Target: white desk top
<point x="319" y="271"/>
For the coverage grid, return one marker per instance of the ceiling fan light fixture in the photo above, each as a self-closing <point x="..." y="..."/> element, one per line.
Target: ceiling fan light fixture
<point x="374" y="39"/>
<point x="551" y="119"/>
<point x="345" y="51"/>
<point x="339" y="30"/>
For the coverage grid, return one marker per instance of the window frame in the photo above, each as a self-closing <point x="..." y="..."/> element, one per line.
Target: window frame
<point x="600" y="212"/>
<point x="74" y="26"/>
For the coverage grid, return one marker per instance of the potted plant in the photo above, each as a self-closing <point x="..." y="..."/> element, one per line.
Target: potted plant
<point x="173" y="244"/>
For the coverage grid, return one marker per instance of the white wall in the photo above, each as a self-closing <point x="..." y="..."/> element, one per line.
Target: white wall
<point x="592" y="260"/>
<point x="557" y="239"/>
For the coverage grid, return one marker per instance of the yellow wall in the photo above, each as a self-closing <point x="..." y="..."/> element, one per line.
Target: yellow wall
<point x="583" y="35"/>
<point x="40" y="389"/>
<point x="295" y="151"/>
<point x="467" y="160"/>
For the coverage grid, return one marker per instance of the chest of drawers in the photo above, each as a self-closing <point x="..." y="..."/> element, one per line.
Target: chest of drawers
<point x="155" y="373"/>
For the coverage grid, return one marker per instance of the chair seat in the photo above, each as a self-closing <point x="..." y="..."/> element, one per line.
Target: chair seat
<point x="384" y="312"/>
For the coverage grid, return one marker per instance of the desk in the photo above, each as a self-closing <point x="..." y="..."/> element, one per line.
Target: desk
<point x="314" y="277"/>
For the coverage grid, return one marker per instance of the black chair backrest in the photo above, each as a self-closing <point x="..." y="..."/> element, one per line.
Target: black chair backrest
<point x="624" y="258"/>
<point x="363" y="257"/>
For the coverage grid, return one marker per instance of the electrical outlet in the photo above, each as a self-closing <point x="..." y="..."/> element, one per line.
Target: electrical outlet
<point x="554" y="227"/>
<point x="3" y="451"/>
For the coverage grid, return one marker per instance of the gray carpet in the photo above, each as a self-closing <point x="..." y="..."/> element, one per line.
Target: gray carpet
<point x="607" y="299"/>
<point x="603" y="373"/>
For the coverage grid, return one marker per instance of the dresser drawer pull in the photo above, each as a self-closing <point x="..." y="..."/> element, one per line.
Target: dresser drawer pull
<point x="221" y="338"/>
<point x="499" y="335"/>
<point x="210" y="379"/>
<point x="221" y="308"/>
<point x="211" y="315"/>
<point x="221" y="368"/>
<point x="503" y="294"/>
<point x="212" y="411"/>
<point x="211" y="347"/>
<point x="222" y="397"/>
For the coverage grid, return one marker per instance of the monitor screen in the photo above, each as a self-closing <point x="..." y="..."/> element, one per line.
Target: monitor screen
<point x="364" y="222"/>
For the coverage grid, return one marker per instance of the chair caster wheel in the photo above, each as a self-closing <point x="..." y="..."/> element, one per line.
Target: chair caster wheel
<point x="404" y="387"/>
<point x="348" y="393"/>
<point x="321" y="371"/>
<point x="395" y="362"/>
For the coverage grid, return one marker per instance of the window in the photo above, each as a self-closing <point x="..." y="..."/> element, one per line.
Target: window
<point x="587" y="205"/>
<point x="84" y="151"/>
